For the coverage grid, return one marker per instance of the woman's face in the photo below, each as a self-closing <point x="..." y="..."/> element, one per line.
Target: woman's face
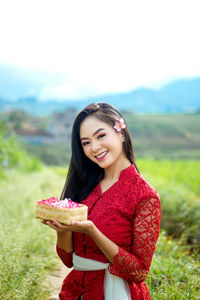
<point x="101" y="142"/>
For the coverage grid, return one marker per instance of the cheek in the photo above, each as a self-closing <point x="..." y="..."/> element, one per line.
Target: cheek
<point x="86" y="151"/>
<point x="113" y="144"/>
<point x="107" y="141"/>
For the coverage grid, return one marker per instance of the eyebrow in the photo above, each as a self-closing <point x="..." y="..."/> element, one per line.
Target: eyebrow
<point x="85" y="138"/>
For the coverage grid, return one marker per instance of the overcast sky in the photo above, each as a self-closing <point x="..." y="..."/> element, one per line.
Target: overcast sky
<point x="75" y="49"/>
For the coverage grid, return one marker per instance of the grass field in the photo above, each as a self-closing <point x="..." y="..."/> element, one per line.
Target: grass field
<point x="28" y="248"/>
<point x="171" y="136"/>
<point x="178" y="183"/>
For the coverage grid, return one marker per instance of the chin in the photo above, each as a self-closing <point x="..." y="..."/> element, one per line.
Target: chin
<point x="105" y="165"/>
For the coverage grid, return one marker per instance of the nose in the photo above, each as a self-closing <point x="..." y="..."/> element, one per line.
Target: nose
<point x="95" y="146"/>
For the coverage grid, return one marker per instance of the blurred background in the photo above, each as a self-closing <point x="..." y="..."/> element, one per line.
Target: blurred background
<point x="142" y="57"/>
<point x="55" y="58"/>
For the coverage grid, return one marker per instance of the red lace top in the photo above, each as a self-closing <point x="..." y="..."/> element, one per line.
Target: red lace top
<point x="128" y="213"/>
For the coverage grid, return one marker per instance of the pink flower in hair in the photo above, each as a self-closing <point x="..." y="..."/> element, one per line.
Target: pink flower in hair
<point x="119" y="125"/>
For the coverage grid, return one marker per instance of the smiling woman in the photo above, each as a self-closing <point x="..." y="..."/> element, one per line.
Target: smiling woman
<point x="103" y="144"/>
<point x="111" y="252"/>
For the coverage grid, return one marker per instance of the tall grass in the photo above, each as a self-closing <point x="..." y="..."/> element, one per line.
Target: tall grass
<point x="178" y="183"/>
<point x="27" y="247"/>
<point x="174" y="274"/>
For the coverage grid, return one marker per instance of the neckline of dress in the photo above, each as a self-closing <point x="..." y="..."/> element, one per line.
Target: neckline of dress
<point x="123" y="173"/>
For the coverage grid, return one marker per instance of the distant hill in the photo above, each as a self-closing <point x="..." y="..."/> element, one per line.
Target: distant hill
<point x="176" y="97"/>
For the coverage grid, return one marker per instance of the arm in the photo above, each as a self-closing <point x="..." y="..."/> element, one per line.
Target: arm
<point x="64" y="241"/>
<point x="134" y="266"/>
<point x="64" y="247"/>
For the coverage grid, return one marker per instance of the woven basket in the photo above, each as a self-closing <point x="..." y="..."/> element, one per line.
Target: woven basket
<point x="63" y="215"/>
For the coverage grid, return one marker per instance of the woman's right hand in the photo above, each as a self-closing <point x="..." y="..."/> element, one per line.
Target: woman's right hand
<point x="64" y="235"/>
<point x="59" y="227"/>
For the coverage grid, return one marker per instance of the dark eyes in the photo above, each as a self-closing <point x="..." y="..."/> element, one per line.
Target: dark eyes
<point x="99" y="137"/>
<point x="85" y="143"/>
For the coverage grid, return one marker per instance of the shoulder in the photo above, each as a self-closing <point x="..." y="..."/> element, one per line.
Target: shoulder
<point x="146" y="199"/>
<point x="148" y="189"/>
<point x="137" y="186"/>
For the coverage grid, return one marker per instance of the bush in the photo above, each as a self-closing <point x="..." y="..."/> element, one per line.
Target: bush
<point x="13" y="156"/>
<point x="178" y="185"/>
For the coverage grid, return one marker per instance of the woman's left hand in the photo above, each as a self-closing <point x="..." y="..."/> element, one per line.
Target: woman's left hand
<point x="82" y="226"/>
<point x="76" y="226"/>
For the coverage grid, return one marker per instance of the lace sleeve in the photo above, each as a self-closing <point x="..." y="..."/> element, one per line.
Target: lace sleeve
<point x="135" y="266"/>
<point x="66" y="257"/>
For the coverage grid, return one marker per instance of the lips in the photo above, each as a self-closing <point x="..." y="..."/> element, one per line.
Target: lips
<point x="101" y="155"/>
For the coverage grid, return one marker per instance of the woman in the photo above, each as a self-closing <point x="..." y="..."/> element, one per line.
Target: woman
<point x="122" y="229"/>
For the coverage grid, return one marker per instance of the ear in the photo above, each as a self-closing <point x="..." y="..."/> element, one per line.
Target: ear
<point x="122" y="135"/>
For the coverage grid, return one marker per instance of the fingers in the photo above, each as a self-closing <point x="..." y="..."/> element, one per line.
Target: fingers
<point x="59" y="227"/>
<point x="58" y="224"/>
<point x="75" y="226"/>
<point x="43" y="222"/>
<point x="50" y="224"/>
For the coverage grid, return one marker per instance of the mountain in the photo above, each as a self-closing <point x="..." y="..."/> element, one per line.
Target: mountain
<point x="179" y="96"/>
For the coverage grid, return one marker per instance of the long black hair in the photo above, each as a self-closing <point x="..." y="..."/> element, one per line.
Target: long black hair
<point x="83" y="174"/>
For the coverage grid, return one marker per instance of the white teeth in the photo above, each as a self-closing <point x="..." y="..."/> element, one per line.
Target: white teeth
<point x="101" y="155"/>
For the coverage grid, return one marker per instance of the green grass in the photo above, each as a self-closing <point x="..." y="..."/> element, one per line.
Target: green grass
<point x="174" y="274"/>
<point x="27" y="247"/>
<point x="178" y="185"/>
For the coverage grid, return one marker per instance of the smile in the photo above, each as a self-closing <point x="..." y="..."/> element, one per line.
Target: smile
<point x="102" y="155"/>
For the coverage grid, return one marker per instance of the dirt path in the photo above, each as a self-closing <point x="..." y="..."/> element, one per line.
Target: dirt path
<point x="55" y="280"/>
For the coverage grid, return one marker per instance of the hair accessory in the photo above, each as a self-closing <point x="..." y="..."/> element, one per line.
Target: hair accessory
<point x="119" y="125"/>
